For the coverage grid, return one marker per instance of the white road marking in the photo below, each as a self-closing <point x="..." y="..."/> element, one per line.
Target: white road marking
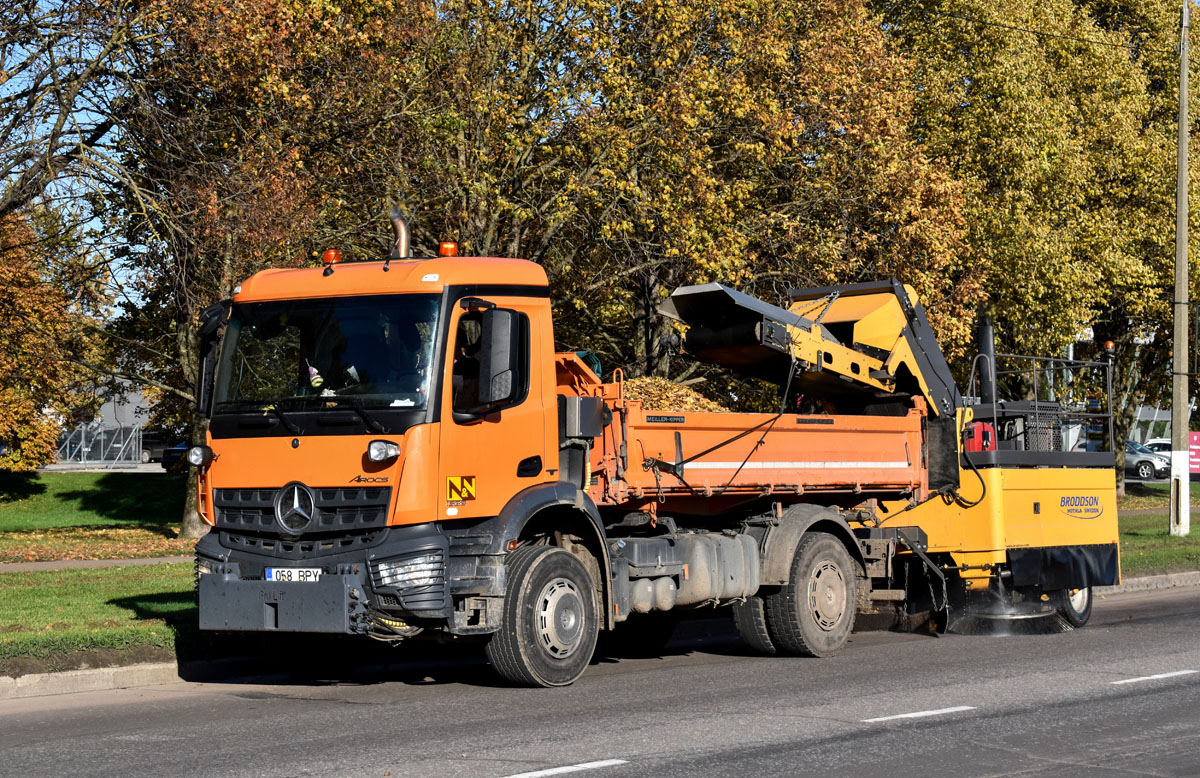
<point x="1156" y="677"/>
<point x="574" y="768"/>
<point x="921" y="714"/>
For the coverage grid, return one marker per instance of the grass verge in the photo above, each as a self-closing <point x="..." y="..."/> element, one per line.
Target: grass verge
<point x="38" y="501"/>
<point x="1147" y="547"/>
<point x="53" y="516"/>
<point x="1143" y="496"/>
<point x="50" y="618"/>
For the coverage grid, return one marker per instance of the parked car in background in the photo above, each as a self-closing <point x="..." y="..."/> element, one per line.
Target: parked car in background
<point x="153" y="446"/>
<point x="173" y="457"/>
<point x="1140" y="461"/>
<point x="1158" y="445"/>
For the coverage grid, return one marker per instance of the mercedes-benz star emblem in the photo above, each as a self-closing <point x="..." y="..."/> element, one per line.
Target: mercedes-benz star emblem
<point x="295" y="508"/>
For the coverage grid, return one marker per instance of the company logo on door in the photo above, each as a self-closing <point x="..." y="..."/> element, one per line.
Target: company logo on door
<point x="459" y="489"/>
<point x="1081" y="506"/>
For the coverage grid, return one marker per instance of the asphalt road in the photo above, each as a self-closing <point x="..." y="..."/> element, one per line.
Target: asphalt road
<point x="1076" y="703"/>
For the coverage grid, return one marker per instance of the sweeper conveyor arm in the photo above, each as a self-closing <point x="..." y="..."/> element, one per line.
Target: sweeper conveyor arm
<point x="871" y="338"/>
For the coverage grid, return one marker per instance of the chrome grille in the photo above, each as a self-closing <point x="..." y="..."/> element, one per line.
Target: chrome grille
<point x="338" y="509"/>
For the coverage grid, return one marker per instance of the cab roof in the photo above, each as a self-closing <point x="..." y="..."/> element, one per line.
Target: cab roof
<point x="406" y="275"/>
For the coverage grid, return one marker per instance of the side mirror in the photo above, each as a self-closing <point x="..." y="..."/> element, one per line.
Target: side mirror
<point x="499" y="358"/>
<point x="209" y="331"/>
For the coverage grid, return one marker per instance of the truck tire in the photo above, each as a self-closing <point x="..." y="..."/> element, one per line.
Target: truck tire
<point x="813" y="613"/>
<point x="751" y="621"/>
<point x="1074" y="605"/>
<point x="548" y="630"/>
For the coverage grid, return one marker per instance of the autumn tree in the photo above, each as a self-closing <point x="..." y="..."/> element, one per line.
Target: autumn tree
<point x="762" y="144"/>
<point x="1058" y="120"/>
<point x="1141" y="327"/>
<point x="49" y="295"/>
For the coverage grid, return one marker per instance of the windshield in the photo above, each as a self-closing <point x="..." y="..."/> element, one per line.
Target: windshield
<point x="294" y="353"/>
<point x="1137" y="447"/>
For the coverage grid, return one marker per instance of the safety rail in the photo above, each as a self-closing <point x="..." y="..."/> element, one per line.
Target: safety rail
<point x="1063" y="417"/>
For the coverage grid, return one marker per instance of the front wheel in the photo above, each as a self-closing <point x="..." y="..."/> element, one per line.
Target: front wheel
<point x="1145" y="471"/>
<point x="813" y="613"/>
<point x="548" y="631"/>
<point x="1074" y="605"/>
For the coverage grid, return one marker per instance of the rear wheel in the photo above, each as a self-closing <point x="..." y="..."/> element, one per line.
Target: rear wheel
<point x="751" y="621"/>
<point x="1074" y="605"/>
<point x="548" y="632"/>
<point x="813" y="613"/>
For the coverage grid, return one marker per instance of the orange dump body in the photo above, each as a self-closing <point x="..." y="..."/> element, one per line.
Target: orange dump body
<point x="706" y="463"/>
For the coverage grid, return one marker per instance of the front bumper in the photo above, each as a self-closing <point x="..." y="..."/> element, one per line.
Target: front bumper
<point x="235" y="595"/>
<point x="335" y="603"/>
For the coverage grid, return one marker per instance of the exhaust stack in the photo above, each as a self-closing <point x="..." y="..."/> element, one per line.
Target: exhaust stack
<point x="985" y="340"/>
<point x="402" y="249"/>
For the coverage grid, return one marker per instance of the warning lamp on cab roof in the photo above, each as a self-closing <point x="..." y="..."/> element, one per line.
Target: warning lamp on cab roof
<point x="331" y="256"/>
<point x="448" y="248"/>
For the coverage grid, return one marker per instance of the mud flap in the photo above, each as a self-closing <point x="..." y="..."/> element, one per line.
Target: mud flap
<point x="1064" y="567"/>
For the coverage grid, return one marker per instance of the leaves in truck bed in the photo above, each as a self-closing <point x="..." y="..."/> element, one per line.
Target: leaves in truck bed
<point x="659" y="394"/>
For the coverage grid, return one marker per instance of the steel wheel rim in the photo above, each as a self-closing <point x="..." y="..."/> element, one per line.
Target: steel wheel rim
<point x="559" y="618"/>
<point x="1078" y="599"/>
<point x="827" y="595"/>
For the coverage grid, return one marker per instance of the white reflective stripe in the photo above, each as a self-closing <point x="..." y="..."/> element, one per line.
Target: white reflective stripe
<point x="569" y="768"/>
<point x="796" y="465"/>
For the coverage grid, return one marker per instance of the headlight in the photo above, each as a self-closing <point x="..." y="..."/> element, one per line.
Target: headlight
<point x="382" y="450"/>
<point x="199" y="456"/>
<point x="424" y="570"/>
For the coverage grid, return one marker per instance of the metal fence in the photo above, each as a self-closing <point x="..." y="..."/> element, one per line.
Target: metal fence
<point x="107" y="446"/>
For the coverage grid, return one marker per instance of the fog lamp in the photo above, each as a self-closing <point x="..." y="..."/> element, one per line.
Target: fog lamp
<point x="422" y="570"/>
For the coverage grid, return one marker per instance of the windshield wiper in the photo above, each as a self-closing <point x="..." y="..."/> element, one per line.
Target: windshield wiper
<point x="361" y="410"/>
<point x="291" y="426"/>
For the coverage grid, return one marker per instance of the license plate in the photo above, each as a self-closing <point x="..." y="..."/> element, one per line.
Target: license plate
<point x="293" y="574"/>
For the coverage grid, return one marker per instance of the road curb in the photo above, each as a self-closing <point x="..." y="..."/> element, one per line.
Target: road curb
<point x="91" y="680"/>
<point x="158" y="673"/>
<point x="1152" y="582"/>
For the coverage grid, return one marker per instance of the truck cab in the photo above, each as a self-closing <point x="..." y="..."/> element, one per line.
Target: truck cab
<point x="350" y="412"/>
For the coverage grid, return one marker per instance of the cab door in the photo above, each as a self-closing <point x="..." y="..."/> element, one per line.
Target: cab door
<point x="489" y="455"/>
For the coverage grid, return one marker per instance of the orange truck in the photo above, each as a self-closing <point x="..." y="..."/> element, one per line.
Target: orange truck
<point x="396" y="450"/>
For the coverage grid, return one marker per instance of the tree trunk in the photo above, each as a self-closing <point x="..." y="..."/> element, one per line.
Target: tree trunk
<point x="1124" y="416"/>
<point x="193" y="525"/>
<point x="187" y="343"/>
